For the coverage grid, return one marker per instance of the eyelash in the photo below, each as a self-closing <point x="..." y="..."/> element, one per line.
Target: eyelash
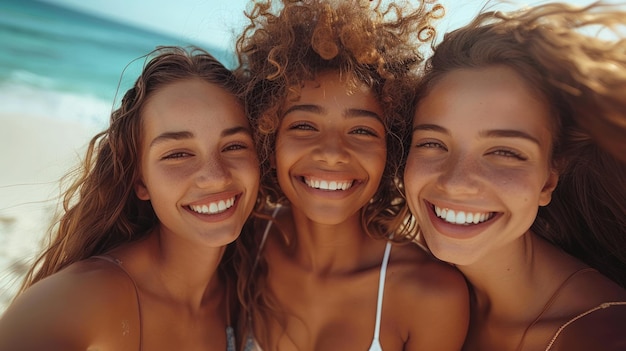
<point x="176" y="155"/>
<point x="301" y="126"/>
<point x="432" y="145"/>
<point x="307" y="126"/>
<point x="509" y="153"/>
<point x="502" y="152"/>
<point x="236" y="146"/>
<point x="364" y="131"/>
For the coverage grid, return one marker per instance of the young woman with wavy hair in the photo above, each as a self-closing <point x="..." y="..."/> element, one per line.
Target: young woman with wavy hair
<point x="517" y="175"/>
<point x="139" y="257"/>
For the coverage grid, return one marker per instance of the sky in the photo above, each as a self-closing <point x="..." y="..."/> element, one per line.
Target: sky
<point x="216" y="22"/>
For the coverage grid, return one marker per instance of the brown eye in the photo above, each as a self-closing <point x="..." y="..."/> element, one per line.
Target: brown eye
<point x="364" y="131"/>
<point x="509" y="154"/>
<point x="176" y="155"/>
<point x="301" y="126"/>
<point x="431" y="145"/>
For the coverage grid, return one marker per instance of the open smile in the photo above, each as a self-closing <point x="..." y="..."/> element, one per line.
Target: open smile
<point x="461" y="217"/>
<point x="327" y="184"/>
<point x="215" y="207"/>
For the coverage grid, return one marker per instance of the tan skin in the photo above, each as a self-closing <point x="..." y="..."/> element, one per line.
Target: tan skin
<point x="185" y="163"/>
<point x="481" y="144"/>
<point x="327" y="282"/>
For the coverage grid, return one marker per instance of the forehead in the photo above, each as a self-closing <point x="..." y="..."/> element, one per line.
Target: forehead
<point x="485" y="92"/>
<point x="497" y="97"/>
<point x="332" y="90"/>
<point x="191" y="102"/>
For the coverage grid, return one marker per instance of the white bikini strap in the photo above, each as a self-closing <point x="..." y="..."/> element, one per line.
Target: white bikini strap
<point x="381" y="290"/>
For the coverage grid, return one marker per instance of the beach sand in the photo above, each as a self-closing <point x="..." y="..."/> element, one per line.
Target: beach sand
<point x="37" y="152"/>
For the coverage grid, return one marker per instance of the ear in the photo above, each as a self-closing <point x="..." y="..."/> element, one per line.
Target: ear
<point x="546" y="193"/>
<point x="141" y="190"/>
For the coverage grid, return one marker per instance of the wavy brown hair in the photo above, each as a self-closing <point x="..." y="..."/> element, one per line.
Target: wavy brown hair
<point x="100" y="210"/>
<point x="581" y="74"/>
<point x="289" y="42"/>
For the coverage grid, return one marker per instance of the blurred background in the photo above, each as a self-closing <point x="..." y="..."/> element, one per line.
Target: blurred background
<point x="64" y="65"/>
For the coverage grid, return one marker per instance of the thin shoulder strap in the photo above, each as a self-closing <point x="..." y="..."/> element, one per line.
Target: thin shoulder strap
<point x="264" y="238"/>
<point x="552" y="299"/>
<point x="118" y="263"/>
<point x="601" y="306"/>
<point x="381" y="290"/>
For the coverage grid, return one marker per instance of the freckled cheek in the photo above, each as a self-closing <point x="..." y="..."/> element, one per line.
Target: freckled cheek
<point x="176" y="174"/>
<point x="515" y="183"/>
<point x="419" y="168"/>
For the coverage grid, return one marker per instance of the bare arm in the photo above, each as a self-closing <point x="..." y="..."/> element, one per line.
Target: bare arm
<point x="67" y="311"/>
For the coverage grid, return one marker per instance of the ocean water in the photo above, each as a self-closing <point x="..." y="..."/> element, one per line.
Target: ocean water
<point x="69" y="64"/>
<point x="60" y="73"/>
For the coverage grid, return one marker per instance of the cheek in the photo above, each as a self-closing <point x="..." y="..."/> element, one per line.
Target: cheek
<point x="524" y="186"/>
<point x="377" y="160"/>
<point x="414" y="172"/>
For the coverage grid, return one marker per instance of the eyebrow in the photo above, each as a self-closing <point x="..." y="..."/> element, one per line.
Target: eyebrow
<point x="163" y="137"/>
<point x="492" y="133"/>
<point x="509" y="133"/>
<point x="350" y="112"/>
<point x="430" y="127"/>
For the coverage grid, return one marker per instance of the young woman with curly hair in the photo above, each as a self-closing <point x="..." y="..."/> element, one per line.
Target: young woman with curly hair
<point x="516" y="174"/>
<point x="327" y="86"/>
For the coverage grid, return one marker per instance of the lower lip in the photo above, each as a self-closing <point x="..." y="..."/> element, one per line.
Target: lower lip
<point x="457" y="231"/>
<point x="217" y="217"/>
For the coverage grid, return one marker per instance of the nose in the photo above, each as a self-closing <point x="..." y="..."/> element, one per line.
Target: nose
<point x="331" y="149"/>
<point x="213" y="173"/>
<point x="459" y="175"/>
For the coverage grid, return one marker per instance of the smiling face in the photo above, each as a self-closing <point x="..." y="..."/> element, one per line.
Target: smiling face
<point x="198" y="162"/>
<point x="479" y="164"/>
<point x="330" y="150"/>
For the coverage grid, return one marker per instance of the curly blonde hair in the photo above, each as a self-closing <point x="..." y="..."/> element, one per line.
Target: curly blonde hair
<point x="582" y="75"/>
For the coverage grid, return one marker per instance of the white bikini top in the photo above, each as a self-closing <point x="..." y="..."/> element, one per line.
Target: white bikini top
<point x="375" y="346"/>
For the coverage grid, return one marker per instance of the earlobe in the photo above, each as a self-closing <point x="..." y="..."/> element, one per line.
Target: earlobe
<point x="546" y="193"/>
<point x="141" y="191"/>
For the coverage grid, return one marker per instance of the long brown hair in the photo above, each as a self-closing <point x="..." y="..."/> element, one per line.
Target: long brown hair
<point x="583" y="79"/>
<point x="100" y="210"/>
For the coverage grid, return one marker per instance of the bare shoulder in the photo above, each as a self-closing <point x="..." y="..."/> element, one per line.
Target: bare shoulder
<point x="599" y="328"/>
<point x="68" y="310"/>
<point x="422" y="274"/>
<point x="430" y="298"/>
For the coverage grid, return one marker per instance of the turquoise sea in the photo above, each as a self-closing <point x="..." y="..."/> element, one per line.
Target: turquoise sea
<point x="65" y="64"/>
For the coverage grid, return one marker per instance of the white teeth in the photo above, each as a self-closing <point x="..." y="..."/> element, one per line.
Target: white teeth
<point x="462" y="217"/>
<point x="214" y="207"/>
<point x="328" y="185"/>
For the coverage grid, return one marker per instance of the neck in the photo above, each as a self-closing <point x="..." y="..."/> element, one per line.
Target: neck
<point x="190" y="278"/>
<point x="329" y="248"/>
<point x="516" y="285"/>
<point x="504" y="284"/>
